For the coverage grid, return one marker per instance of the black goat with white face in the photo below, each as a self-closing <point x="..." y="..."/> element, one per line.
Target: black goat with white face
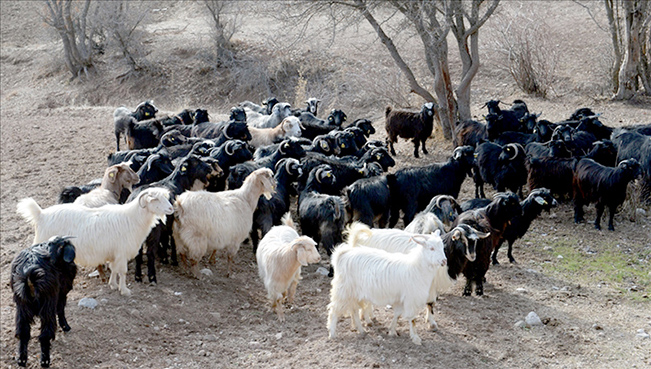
<point x="41" y="277"/>
<point x="491" y="219"/>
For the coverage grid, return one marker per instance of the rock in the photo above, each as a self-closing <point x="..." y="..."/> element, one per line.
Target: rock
<point x="560" y="256"/>
<point x="178" y="293"/>
<point x="322" y="271"/>
<point x="533" y="320"/>
<point x="521" y="290"/>
<point x="643" y="335"/>
<point x="88" y="302"/>
<point x="640" y="212"/>
<point x="279" y="335"/>
<point x="94" y="273"/>
<point x="597" y="327"/>
<point x="206" y="272"/>
<point x="520" y="324"/>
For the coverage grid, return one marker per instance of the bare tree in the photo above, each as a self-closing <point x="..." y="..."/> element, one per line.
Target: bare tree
<point x="223" y="26"/>
<point x="79" y="35"/>
<point x="122" y="21"/>
<point x="431" y="22"/>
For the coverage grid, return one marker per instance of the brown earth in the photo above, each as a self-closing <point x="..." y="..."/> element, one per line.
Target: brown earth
<point x="57" y="133"/>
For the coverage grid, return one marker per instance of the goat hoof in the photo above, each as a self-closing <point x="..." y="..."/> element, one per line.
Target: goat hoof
<point x="611" y="229"/>
<point x="175" y="263"/>
<point x="597" y="227"/>
<point x="65" y="328"/>
<point x="466" y="293"/>
<point x="512" y="260"/>
<point x="138" y="278"/>
<point x="45" y="363"/>
<point x="22" y="361"/>
<point x="495" y="262"/>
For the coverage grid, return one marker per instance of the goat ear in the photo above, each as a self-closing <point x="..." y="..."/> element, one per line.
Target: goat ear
<point x="69" y="253"/>
<point x="301" y="254"/>
<point x="540" y="200"/>
<point x="112" y="174"/>
<point x="419" y="239"/>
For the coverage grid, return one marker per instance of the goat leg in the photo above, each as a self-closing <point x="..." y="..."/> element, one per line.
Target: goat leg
<point x="138" y="272"/>
<point x="510" y="253"/>
<point x="611" y="217"/>
<point x="600" y="212"/>
<point x="23" y="333"/>
<point x="102" y="273"/>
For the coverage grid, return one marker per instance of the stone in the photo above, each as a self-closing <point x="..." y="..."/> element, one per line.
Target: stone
<point x="533" y="320"/>
<point x="322" y="271"/>
<point x="88" y="302"/>
<point x="206" y="272"/>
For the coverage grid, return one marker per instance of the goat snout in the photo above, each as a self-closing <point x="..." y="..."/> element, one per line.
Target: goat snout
<point x="444" y="262"/>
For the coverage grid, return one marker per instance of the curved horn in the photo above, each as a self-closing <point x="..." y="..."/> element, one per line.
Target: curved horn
<point x="438" y="200"/>
<point x="142" y="195"/>
<point x="280" y="147"/>
<point x="229" y="149"/>
<point x="516" y="149"/>
<point x="318" y="175"/>
<point x="225" y="132"/>
<point x="288" y="166"/>
<point x="456" y="153"/>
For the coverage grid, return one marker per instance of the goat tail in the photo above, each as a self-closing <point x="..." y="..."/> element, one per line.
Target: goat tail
<point x="387" y="111"/>
<point x="356" y="232"/>
<point x="25" y="283"/>
<point x="287" y="220"/>
<point x="29" y="209"/>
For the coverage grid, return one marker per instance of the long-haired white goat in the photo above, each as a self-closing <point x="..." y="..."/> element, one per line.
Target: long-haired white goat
<point x="365" y="275"/>
<point x="111" y="233"/>
<point x="289" y="127"/>
<point x="208" y="222"/>
<point x="280" y="255"/>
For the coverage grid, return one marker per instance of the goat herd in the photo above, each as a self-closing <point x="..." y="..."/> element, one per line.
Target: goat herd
<point x="190" y="187"/>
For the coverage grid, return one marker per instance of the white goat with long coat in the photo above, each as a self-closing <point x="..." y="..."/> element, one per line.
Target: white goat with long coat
<point x="280" y="255"/>
<point x="111" y="233"/>
<point x="365" y="275"/>
<point x="206" y="222"/>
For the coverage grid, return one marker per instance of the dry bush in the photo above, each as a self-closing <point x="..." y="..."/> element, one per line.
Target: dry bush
<point x="529" y="55"/>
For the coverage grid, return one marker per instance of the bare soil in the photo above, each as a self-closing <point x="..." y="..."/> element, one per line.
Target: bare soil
<point x="56" y="133"/>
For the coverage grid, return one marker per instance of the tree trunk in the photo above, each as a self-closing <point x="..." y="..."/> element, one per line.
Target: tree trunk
<point x="614" y="36"/>
<point x="631" y="65"/>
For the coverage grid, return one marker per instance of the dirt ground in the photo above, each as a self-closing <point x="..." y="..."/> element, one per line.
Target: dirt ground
<point x="51" y="137"/>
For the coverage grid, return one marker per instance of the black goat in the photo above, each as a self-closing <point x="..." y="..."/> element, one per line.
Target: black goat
<point x="413" y="188"/>
<point x="606" y="186"/>
<point x="144" y="135"/>
<point x="538" y="200"/>
<point x="365" y="125"/>
<point x="470" y="132"/>
<point x="322" y="216"/>
<point x="41" y="277"/>
<point x="501" y="166"/>
<point x="368" y="200"/>
<point x="555" y="148"/>
<point x="122" y="117"/>
<point x="227" y="155"/>
<point x="407" y="124"/>
<point x="288" y="148"/>
<point x="491" y="219"/>
<point x="311" y="126"/>
<point x="634" y="145"/>
<point x="499" y="121"/>
<point x="269" y="212"/>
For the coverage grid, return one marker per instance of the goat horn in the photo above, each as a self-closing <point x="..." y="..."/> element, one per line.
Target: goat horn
<point x="280" y="148"/>
<point x="517" y="151"/>
<point x="225" y="131"/>
<point x="438" y="200"/>
<point x="229" y="148"/>
<point x="318" y="175"/>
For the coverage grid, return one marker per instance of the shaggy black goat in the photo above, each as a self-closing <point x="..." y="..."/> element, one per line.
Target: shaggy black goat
<point x="407" y="124"/>
<point x="556" y="148"/>
<point x="229" y="154"/>
<point x="499" y="121"/>
<point x="311" y="126"/>
<point x="491" y="219"/>
<point x="269" y="212"/>
<point x="368" y="200"/>
<point x="634" y="145"/>
<point x="470" y="132"/>
<point x="606" y="186"/>
<point x="122" y="117"/>
<point x="413" y="188"/>
<point x="322" y="216"/>
<point x="365" y="125"/>
<point x="41" y="277"/>
<point x="288" y="148"/>
<point x="501" y="166"/>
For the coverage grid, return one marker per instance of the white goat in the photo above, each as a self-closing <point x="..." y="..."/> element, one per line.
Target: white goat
<point x="396" y="240"/>
<point x="279" y="112"/>
<point x="207" y="221"/>
<point x="280" y="255"/>
<point x="111" y="233"/>
<point x="365" y="275"/>
<point x="289" y="127"/>
<point x="116" y="178"/>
